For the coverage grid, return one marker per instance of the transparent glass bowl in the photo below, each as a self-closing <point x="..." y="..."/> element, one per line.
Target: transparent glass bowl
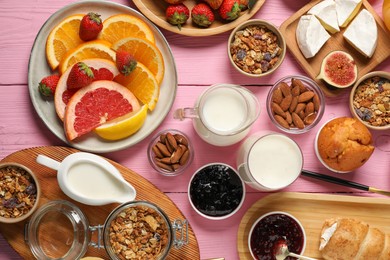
<point x="310" y="85"/>
<point x="170" y="169"/>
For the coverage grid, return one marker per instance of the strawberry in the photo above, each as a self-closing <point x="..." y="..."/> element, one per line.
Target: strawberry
<point x="47" y="86"/>
<point x="177" y="14"/>
<point x="202" y="15"/>
<point x="215" y="4"/>
<point x="125" y="62"/>
<point x="229" y="9"/>
<point x="102" y="74"/>
<point x="80" y="76"/>
<point x="90" y="26"/>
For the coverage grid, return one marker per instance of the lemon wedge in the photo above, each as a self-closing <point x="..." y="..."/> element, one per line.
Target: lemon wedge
<point x="123" y="126"/>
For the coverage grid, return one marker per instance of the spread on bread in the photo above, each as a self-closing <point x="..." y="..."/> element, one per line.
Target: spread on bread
<point x="344" y="144"/>
<point x="352" y="239"/>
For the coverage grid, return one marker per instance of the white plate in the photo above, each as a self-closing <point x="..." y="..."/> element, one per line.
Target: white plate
<point x="38" y="68"/>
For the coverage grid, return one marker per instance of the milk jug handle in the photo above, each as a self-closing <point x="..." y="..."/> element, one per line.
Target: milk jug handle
<point x="187" y="112"/>
<point x="48" y="162"/>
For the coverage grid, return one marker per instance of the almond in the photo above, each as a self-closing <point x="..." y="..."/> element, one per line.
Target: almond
<point x="181" y="139"/>
<point x="277" y="109"/>
<point x="299" y="83"/>
<point x="288" y="117"/>
<point x="163" y="149"/>
<point x="164" y="166"/>
<point x="157" y="152"/>
<point x="286" y="102"/>
<point x="316" y="101"/>
<point x="172" y="141"/>
<point x="295" y="91"/>
<point x="309" y="119"/>
<point x="281" y="121"/>
<point x="285" y="88"/>
<point x="277" y="96"/>
<point x="294" y="103"/>
<point x="300" y="107"/>
<point x="309" y="109"/>
<point x="297" y="121"/>
<point x="305" y="96"/>
<point x="184" y="157"/>
<point x="176" y="155"/>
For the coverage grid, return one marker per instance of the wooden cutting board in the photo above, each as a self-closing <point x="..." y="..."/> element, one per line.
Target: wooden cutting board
<point x="312" y="210"/>
<point x="14" y="233"/>
<point x="336" y="42"/>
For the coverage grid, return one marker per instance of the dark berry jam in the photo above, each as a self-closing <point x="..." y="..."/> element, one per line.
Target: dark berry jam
<point x="216" y="190"/>
<point x="272" y="230"/>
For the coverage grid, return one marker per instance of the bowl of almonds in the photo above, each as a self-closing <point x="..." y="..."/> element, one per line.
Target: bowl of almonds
<point x="170" y="152"/>
<point x="295" y="104"/>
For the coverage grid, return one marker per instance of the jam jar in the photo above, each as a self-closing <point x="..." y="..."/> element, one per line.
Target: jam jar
<point x="136" y="222"/>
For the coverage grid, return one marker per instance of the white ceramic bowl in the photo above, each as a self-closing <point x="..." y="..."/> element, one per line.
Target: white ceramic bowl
<point x="273" y="221"/>
<point x="204" y="198"/>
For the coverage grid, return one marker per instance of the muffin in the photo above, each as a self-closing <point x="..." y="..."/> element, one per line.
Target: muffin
<point x="344" y="144"/>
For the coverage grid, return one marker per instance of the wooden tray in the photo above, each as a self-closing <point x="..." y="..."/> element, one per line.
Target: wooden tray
<point x="155" y="11"/>
<point x="14" y="233"/>
<point x="312" y="210"/>
<point x="336" y="42"/>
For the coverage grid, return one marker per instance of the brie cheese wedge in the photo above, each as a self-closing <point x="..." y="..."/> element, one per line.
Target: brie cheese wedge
<point x="347" y="10"/>
<point x="362" y="33"/>
<point x="325" y="11"/>
<point x="311" y="35"/>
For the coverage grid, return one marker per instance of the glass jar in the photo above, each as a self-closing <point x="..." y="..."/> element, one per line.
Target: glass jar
<point x="65" y="218"/>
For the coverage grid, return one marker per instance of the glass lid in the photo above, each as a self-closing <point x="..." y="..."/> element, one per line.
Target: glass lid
<point x="54" y="218"/>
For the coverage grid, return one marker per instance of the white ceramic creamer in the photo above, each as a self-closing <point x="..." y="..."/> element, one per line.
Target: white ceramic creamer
<point x="269" y="161"/>
<point x="223" y="114"/>
<point x="90" y="179"/>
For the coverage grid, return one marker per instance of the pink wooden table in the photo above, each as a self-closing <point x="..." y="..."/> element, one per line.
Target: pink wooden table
<point x="200" y="62"/>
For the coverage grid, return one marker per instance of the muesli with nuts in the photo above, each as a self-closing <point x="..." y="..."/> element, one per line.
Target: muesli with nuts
<point x="371" y="101"/>
<point x="255" y="49"/>
<point x="18" y="192"/>
<point x="138" y="232"/>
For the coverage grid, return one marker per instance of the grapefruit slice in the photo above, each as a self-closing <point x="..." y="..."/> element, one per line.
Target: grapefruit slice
<point x="123" y="126"/>
<point x="96" y="104"/>
<point x="62" y="94"/>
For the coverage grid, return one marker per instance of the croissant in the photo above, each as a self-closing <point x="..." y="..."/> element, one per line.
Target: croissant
<point x="352" y="239"/>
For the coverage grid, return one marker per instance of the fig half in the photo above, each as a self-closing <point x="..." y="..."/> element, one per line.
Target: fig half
<point x="338" y="69"/>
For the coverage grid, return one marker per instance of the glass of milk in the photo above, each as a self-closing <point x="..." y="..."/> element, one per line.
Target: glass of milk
<point x="269" y="161"/>
<point x="223" y="114"/>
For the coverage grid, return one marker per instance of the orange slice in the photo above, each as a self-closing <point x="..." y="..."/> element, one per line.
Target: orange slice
<point x="146" y="53"/>
<point x="121" y="26"/>
<point x="142" y="83"/>
<point x="63" y="95"/>
<point x="92" y="49"/>
<point x="96" y="104"/>
<point x="62" y="38"/>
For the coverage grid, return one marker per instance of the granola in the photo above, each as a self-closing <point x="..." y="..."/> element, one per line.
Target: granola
<point x="255" y="49"/>
<point x="371" y="101"/>
<point x="18" y="192"/>
<point x="138" y="232"/>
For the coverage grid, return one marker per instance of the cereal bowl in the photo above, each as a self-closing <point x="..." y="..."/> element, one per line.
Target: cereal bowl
<point x="216" y="191"/>
<point x="170" y="152"/>
<point x="272" y="229"/>
<point x="295" y="104"/>
<point x="20" y="192"/>
<point x="245" y="54"/>
<point x="369" y="100"/>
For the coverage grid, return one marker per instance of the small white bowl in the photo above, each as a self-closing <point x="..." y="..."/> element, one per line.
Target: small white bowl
<point x="287" y="219"/>
<point x="204" y="194"/>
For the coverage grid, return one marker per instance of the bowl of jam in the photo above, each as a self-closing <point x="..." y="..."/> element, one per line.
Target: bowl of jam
<point x="272" y="229"/>
<point x="216" y="191"/>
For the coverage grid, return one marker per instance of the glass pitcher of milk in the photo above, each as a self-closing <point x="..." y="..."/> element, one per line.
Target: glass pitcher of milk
<point x="223" y="114"/>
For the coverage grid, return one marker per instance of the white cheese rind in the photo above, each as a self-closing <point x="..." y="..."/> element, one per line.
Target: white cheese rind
<point x="362" y="33"/>
<point x="311" y="35"/>
<point x="325" y="11"/>
<point x="346" y="10"/>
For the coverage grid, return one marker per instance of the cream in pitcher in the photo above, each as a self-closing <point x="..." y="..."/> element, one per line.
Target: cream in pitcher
<point x="223" y="114"/>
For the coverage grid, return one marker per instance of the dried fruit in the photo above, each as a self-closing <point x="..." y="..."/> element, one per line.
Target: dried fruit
<point x="338" y="69"/>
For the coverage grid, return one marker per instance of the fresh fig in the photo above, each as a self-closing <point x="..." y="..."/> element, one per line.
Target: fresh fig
<point x="338" y="69"/>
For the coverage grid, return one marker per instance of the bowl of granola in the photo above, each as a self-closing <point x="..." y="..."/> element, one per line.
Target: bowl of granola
<point x="256" y="48"/>
<point x="369" y="100"/>
<point x="19" y="192"/>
